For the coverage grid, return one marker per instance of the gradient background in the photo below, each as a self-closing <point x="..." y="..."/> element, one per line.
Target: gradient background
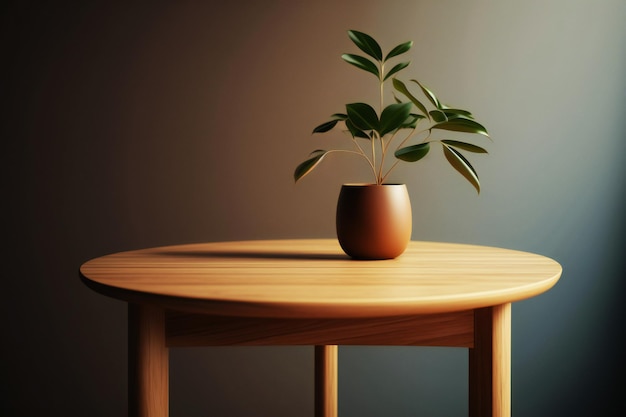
<point x="127" y="126"/>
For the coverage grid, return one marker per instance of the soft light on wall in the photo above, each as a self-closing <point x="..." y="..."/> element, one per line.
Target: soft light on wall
<point x="134" y="126"/>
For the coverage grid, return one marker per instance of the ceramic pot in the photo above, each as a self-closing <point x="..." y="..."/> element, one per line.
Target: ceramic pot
<point x="374" y="221"/>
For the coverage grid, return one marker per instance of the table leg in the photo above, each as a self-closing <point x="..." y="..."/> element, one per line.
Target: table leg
<point x="326" y="381"/>
<point x="148" y="362"/>
<point x="490" y="363"/>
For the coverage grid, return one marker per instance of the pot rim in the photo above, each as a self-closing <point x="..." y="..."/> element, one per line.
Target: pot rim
<point x="365" y="184"/>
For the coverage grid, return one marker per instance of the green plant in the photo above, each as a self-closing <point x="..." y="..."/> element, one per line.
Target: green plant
<point x="398" y="124"/>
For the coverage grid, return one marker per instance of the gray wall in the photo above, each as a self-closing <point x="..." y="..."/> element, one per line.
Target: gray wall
<point x="127" y="126"/>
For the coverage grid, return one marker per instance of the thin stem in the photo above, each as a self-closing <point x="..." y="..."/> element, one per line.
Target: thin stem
<point x="348" y="151"/>
<point x="389" y="170"/>
<point x="359" y="147"/>
<point x="385" y="149"/>
<point x="374" y="156"/>
<point x="409" y="136"/>
<point x="382" y="160"/>
<point x="382" y="82"/>
<point x="379" y="179"/>
<point x="391" y="140"/>
<point x="362" y="153"/>
<point x="413" y="133"/>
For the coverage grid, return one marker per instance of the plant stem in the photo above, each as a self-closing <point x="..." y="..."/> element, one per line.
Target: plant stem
<point x="382" y="160"/>
<point x="389" y="171"/>
<point x="362" y="153"/>
<point x="409" y="136"/>
<point x="379" y="178"/>
<point x="390" y="140"/>
<point x="374" y="156"/>
<point x="382" y="82"/>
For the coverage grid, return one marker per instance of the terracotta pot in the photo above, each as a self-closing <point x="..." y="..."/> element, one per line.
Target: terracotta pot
<point x="374" y="221"/>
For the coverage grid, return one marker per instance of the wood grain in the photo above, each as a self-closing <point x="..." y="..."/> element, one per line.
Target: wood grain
<point x="490" y="363"/>
<point x="501" y="360"/>
<point x="326" y="384"/>
<point x="314" y="279"/>
<point x="148" y="362"/>
<point x="308" y="292"/>
<point x="443" y="329"/>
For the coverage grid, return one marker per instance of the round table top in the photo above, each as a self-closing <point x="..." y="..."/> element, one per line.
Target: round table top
<point x="314" y="278"/>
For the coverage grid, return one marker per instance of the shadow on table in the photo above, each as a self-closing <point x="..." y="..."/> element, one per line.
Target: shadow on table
<point x="254" y="255"/>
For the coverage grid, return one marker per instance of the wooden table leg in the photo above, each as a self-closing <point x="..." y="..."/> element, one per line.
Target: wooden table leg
<point x="490" y="363"/>
<point x="326" y="381"/>
<point x="148" y="362"/>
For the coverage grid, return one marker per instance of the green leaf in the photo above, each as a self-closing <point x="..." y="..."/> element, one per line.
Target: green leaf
<point x="356" y="132"/>
<point x="401" y="87"/>
<point x="393" y="116"/>
<point x="438" y="116"/>
<point x="462" y="125"/>
<point x="363" y="116"/>
<point x="429" y="94"/>
<point x="462" y="165"/>
<point x="411" y="121"/>
<point x="456" y="113"/>
<point x="413" y="153"/>
<point x="400" y="49"/>
<point x="362" y="63"/>
<point x="325" y="127"/>
<point x="308" y="165"/>
<point x="366" y="44"/>
<point x="465" y="146"/>
<point x="396" y="68"/>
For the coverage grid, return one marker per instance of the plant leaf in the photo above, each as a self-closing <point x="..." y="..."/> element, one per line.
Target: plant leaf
<point x="413" y="153"/>
<point x="393" y="116"/>
<point x="401" y="87"/>
<point x="462" y="165"/>
<point x="411" y="121"/>
<point x="429" y="94"/>
<point x="326" y="126"/>
<point x="396" y="68"/>
<point x="455" y="113"/>
<point x="366" y="44"/>
<point x="362" y="63"/>
<point x="363" y="116"/>
<point x="356" y="132"/>
<point x="308" y="165"/>
<point x="465" y="146"/>
<point x="438" y="116"/>
<point x="400" y="49"/>
<point x="462" y="125"/>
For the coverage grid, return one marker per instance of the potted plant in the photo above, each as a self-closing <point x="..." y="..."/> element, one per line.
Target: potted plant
<point x="374" y="219"/>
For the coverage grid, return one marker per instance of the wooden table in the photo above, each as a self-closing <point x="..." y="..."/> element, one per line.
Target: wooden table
<point x="307" y="292"/>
